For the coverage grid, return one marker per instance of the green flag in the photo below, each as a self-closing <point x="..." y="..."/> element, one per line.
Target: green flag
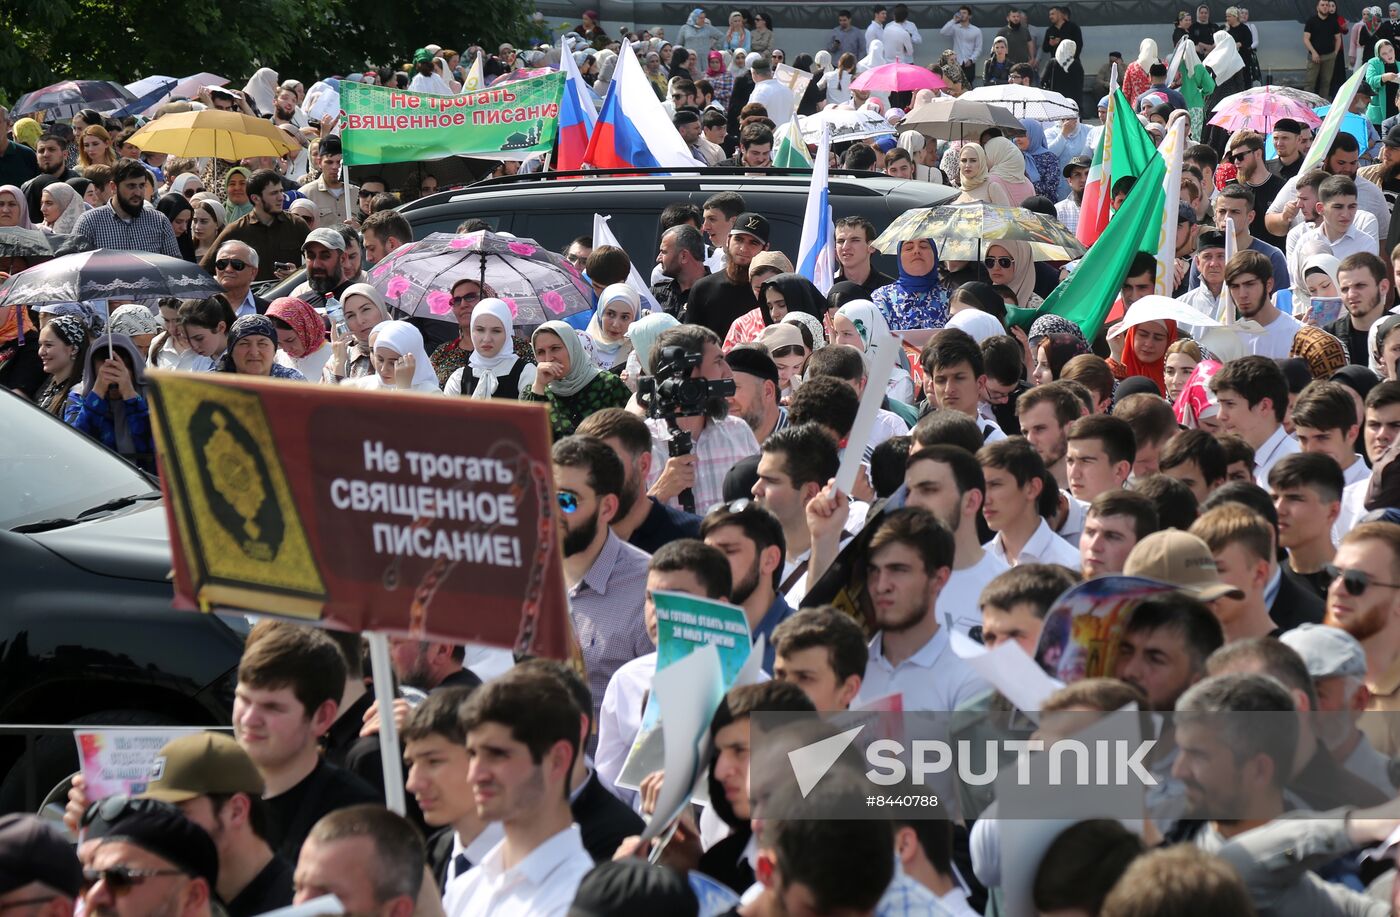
<point x="791" y="152"/>
<point x="1086" y="297"/>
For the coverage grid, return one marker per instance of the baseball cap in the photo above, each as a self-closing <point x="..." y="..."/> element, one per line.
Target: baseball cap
<point x="326" y="236"/>
<point x="422" y="56"/>
<point x="157" y="827"/>
<point x="1182" y="560"/>
<point x="32" y="850"/>
<point x="1077" y="162"/>
<point x="751" y="224"/>
<point x="204" y="764"/>
<point x="754" y="361"/>
<point x="1362" y="89"/>
<point x="781" y="334"/>
<point x="685" y="116"/>
<point x="1392" y="136"/>
<point x="1328" y="652"/>
<point x="770" y="259"/>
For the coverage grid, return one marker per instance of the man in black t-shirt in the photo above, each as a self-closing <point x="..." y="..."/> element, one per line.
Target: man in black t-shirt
<point x="1323" y="39"/>
<point x="1365" y="289"/>
<point x="290" y="681"/>
<point x="1246" y="151"/>
<point x="716" y="300"/>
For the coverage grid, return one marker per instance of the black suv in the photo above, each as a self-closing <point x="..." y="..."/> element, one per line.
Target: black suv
<point x="89" y="635"/>
<point x="553" y="208"/>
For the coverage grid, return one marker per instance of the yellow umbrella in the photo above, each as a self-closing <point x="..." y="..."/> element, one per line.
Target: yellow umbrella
<point x="227" y="135"/>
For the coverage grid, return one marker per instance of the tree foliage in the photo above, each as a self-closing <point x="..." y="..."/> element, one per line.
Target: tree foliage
<point x="124" y="40"/>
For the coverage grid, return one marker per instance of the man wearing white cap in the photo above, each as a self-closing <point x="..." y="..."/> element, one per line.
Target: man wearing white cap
<point x="1337" y="666"/>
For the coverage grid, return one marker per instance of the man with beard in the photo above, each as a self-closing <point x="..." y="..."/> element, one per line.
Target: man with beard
<point x="1020" y="43"/>
<point x="718" y="440"/>
<point x="1234" y="766"/>
<point x="948" y="482"/>
<point x="641" y="520"/>
<point x="605" y="576"/>
<point x="1384" y="174"/>
<point x="1365" y="287"/>
<point x="169" y="863"/>
<point x="751" y="539"/>
<point x="1249" y="276"/>
<point x="52" y="153"/>
<point x="328" y="191"/>
<point x="276" y="235"/>
<point x="756" y="388"/>
<point x="718" y="299"/>
<point x="910" y="556"/>
<point x="127" y="223"/>
<point x="285" y="110"/>
<point x="429" y="666"/>
<point x="1168" y="638"/>
<point x="1364" y="601"/>
<point x="324" y="251"/>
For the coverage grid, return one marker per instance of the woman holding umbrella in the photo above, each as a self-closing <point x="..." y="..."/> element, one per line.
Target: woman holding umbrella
<point x="916" y="299"/>
<point x="568" y="381"/>
<point x="252" y="350"/>
<point x="63" y="347"/>
<point x="493" y="369"/>
<point x="111" y="405"/>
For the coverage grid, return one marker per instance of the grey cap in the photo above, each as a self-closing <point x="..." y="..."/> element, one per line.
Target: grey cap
<point x="326" y="236"/>
<point x="1328" y="652"/>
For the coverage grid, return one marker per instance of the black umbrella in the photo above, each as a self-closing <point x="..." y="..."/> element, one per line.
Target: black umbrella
<point x="31" y="244"/>
<point x="108" y="274"/>
<point x="66" y="98"/>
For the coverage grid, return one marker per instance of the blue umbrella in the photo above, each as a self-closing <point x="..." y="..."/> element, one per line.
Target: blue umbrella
<point x="148" y="99"/>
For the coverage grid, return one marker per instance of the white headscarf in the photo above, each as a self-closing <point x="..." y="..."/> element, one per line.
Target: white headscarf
<point x="1064" y="53"/>
<point x="489" y="369"/>
<point x="73" y="207"/>
<point x="262" y="89"/>
<point x="875" y="57"/>
<point x="869" y="322"/>
<point x="610" y="352"/>
<point x="822" y="60"/>
<point x="404" y="339"/>
<point x="1147" y="54"/>
<point x="1224" y="60"/>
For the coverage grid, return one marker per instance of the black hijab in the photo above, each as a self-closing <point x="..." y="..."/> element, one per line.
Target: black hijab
<point x="799" y="293"/>
<point x="172" y="205"/>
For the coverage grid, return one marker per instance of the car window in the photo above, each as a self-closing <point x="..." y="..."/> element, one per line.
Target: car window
<point x="445" y="221"/>
<point x="636" y="230"/>
<point x="53" y="471"/>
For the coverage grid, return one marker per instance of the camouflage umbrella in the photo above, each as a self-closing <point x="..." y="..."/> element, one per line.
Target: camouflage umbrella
<point x="961" y="231"/>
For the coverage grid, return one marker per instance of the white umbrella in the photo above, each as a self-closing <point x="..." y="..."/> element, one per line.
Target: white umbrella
<point x="846" y="124"/>
<point x="1026" y="101"/>
<point x="190" y="86"/>
<point x="1156" y="308"/>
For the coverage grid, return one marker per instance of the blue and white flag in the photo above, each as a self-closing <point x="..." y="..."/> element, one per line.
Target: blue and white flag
<point x="816" y="255"/>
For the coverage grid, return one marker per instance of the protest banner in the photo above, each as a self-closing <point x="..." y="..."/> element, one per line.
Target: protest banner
<point x="121" y="762"/>
<point x="507" y="121"/>
<point x="369" y="511"/>
<point x="1084" y="627"/>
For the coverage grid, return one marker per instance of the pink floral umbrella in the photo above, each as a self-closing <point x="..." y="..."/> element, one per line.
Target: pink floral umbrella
<point x="898" y="78"/>
<point x="537" y="284"/>
<point x="1261" y="111"/>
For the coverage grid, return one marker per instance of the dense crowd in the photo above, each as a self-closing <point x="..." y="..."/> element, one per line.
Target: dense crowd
<point x="1254" y="474"/>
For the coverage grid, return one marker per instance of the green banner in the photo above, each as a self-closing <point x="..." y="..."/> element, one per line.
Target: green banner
<point x="507" y="121"/>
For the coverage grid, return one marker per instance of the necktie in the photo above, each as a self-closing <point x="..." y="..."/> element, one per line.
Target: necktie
<point x="460" y="865"/>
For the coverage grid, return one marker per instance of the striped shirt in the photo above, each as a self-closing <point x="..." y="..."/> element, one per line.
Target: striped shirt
<point x="149" y="232"/>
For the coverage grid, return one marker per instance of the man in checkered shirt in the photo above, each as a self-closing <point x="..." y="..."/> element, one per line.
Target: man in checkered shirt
<point x="127" y="223"/>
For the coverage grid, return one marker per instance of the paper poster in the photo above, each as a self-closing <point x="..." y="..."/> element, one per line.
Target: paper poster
<point x="794" y="79"/>
<point x="122" y="762"/>
<point x="689" y="693"/>
<point x="1008" y="669"/>
<point x="1085" y="625"/>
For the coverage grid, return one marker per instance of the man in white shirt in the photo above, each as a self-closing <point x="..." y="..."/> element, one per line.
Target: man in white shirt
<point x="1341" y="160"/>
<point x="911" y="554"/>
<point x="1099" y="455"/>
<point x="771" y="93"/>
<point x="1253" y="397"/>
<point x="948" y="482"/>
<point x="1250" y="279"/>
<point x="1209" y="262"/>
<point x="967" y="41"/>
<point x="1020" y="496"/>
<point x="522" y="738"/>
<point x="876" y="30"/>
<point x="1076" y="173"/>
<point x="795" y="465"/>
<point x="1337" y="226"/>
<point x="1325" y="421"/>
<point x="1045" y="413"/>
<point x="426" y="78"/>
<point x="1379" y="432"/>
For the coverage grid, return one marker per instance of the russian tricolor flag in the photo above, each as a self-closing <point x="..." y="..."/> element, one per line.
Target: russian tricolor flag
<point x="633" y="130"/>
<point x="577" y="115"/>
<point x="816" y="253"/>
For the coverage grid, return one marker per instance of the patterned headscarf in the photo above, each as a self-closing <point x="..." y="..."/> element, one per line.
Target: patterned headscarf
<point x="582" y="370"/>
<point x="70" y="329"/>
<point x="304" y="322"/>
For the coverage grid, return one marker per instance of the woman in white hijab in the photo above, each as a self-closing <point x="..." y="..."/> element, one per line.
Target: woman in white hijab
<point x="1135" y="78"/>
<point x="607" y="65"/>
<point x="262" y="89"/>
<point x="920" y="150"/>
<point x="862" y="325"/>
<point x="400" y="360"/>
<point x="493" y="370"/>
<point x="875" y="57"/>
<point x="1227" y="66"/>
<point x="618" y="307"/>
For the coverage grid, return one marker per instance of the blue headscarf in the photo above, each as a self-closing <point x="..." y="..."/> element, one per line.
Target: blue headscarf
<point x="913" y="301"/>
<point x="1036" y="135"/>
<point x="915" y="284"/>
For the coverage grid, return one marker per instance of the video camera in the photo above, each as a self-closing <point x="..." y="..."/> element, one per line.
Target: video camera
<point x="673" y="393"/>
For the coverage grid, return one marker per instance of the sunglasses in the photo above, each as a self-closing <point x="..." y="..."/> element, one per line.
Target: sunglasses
<point x="122" y="879"/>
<point x="237" y="264"/>
<point x="568" y="503"/>
<point x="463" y="300"/>
<point x="1356" y="582"/>
<point x="1004" y="263"/>
<point x="1237" y="157"/>
<point x="364" y="193"/>
<point x="115" y="807"/>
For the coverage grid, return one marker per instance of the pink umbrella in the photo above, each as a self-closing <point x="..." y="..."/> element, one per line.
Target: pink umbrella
<point x="1260" y="112"/>
<point x="898" y="78"/>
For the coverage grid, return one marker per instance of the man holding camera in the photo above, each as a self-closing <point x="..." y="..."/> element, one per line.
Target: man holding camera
<point x="718" y="439"/>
